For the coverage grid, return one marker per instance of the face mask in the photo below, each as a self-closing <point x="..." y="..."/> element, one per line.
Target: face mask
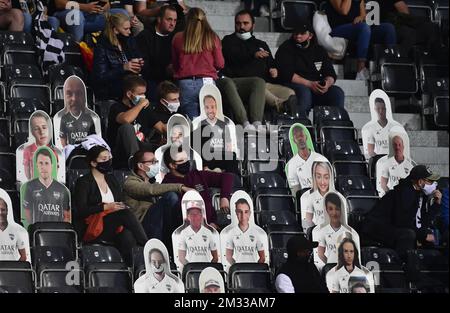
<point x="135" y="100"/>
<point x="244" y="36"/>
<point x="153" y="170"/>
<point x="172" y="106"/>
<point x="184" y="168"/>
<point x="104" y="167"/>
<point x="122" y="38"/>
<point x="303" y="45"/>
<point x="429" y="189"/>
<point x="159" y="269"/>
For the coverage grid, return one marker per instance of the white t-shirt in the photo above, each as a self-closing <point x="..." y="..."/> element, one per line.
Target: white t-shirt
<point x="149" y="284"/>
<point x="198" y="245"/>
<point x="299" y="170"/>
<point x="379" y="136"/>
<point x="107" y="197"/>
<point x="245" y="245"/>
<point x="337" y="281"/>
<point x="327" y="238"/>
<point x="394" y="171"/>
<point x="314" y="205"/>
<point x="11" y="243"/>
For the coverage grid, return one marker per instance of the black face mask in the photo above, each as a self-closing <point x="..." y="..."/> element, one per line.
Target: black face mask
<point x="104" y="167"/>
<point x="184" y="168"/>
<point x="122" y="39"/>
<point x="303" y="45"/>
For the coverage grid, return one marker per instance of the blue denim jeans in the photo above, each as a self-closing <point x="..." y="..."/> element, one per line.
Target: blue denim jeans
<point x="306" y="99"/>
<point x="88" y="23"/>
<point x="189" y="91"/>
<point x="363" y="34"/>
<point x="28" y="22"/>
<point x="157" y="217"/>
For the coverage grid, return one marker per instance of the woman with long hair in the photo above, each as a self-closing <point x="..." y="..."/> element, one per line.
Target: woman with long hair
<point x="98" y="192"/>
<point x="115" y="55"/>
<point x="196" y="58"/>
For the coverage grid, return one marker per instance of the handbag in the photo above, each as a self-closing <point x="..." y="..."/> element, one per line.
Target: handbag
<point x="95" y="225"/>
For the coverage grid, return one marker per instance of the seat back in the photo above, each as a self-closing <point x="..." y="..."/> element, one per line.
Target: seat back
<point x="57" y="277"/>
<point x="16" y="277"/>
<point x="104" y="277"/>
<point x="191" y="274"/>
<point x="355" y="185"/>
<point x="267" y="180"/>
<point x="248" y="276"/>
<point x="292" y="11"/>
<point x="96" y="253"/>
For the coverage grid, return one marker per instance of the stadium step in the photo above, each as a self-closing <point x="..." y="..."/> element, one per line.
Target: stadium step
<point x="408" y="120"/>
<point x="216" y="8"/>
<point x="353" y="88"/>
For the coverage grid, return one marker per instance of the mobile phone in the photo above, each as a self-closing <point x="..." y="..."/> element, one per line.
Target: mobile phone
<point x="102" y="3"/>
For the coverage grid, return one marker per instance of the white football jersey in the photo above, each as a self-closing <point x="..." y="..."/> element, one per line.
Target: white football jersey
<point x="327" y="238"/>
<point x="394" y="171"/>
<point x="198" y="245"/>
<point x="299" y="170"/>
<point x="314" y="205"/>
<point x="11" y="243"/>
<point x="245" y="245"/>
<point x="337" y="281"/>
<point x="379" y="136"/>
<point x="149" y="284"/>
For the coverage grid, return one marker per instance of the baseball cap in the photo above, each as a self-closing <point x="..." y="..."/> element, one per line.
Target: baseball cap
<point x="297" y="243"/>
<point x="302" y="27"/>
<point x="212" y="282"/>
<point x="422" y="172"/>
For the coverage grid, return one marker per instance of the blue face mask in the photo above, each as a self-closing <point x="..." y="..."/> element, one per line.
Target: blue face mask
<point x="153" y="170"/>
<point x="135" y="100"/>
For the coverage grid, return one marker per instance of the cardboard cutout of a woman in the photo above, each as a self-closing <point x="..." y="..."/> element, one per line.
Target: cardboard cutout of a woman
<point x="195" y="240"/>
<point x="375" y="133"/>
<point x="40" y="134"/>
<point x="158" y="277"/>
<point x="243" y="240"/>
<point x="14" y="237"/>
<point x="75" y="121"/>
<point x="397" y="164"/>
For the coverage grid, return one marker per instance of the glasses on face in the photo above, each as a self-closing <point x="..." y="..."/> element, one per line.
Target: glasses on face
<point x="150" y="161"/>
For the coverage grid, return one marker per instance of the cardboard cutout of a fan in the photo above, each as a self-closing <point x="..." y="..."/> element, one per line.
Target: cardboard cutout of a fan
<point x="40" y="134"/>
<point x="326" y="232"/>
<point x="158" y="277"/>
<point x="179" y="132"/>
<point x="75" y="121"/>
<point x="211" y="281"/>
<point x="385" y="164"/>
<point x="44" y="198"/>
<point x="375" y="132"/>
<point x="195" y="240"/>
<point x="238" y="246"/>
<point x="17" y="228"/>
<point x="214" y="125"/>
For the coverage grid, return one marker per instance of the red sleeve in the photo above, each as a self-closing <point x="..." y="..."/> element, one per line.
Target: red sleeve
<point x="224" y="181"/>
<point x="219" y="61"/>
<point x="176" y="51"/>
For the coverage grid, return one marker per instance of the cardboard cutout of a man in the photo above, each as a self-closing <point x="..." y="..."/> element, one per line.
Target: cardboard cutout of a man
<point x="211" y="281"/>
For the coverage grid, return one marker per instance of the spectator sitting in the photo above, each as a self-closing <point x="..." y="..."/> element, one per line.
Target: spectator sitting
<point x="155" y="45"/>
<point x="128" y="121"/>
<point x="98" y="192"/>
<point x="13" y="246"/>
<point x="177" y="161"/>
<point x="247" y="57"/>
<point x="155" y="9"/>
<point x="348" y="266"/>
<point x="28" y="19"/>
<point x="348" y="20"/>
<point x="140" y="190"/>
<point x="299" y="167"/>
<point x="298" y="274"/>
<point x="129" y="5"/>
<point x="196" y="58"/>
<point x="11" y="19"/>
<point x="305" y="67"/>
<point x="405" y="213"/>
<point x="89" y="17"/>
<point x="115" y="54"/>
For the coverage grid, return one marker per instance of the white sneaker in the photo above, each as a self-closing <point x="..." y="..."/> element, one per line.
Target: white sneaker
<point x="363" y="74"/>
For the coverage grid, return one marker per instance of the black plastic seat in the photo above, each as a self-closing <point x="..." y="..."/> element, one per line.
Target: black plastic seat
<point x="7" y="170"/>
<point x="278" y="217"/>
<point x="266" y="180"/>
<point x="292" y="11"/>
<point x="19" y="54"/>
<point x="243" y="277"/>
<point x="60" y="278"/>
<point x="358" y="207"/>
<point x="355" y="185"/>
<point x="49" y="254"/>
<point x="191" y="274"/>
<point x="108" y="277"/>
<point x="428" y="270"/>
<point x="100" y="254"/>
<point x="16" y="277"/>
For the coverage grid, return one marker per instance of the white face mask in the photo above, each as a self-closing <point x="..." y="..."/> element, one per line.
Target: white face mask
<point x="153" y="170"/>
<point x="136" y="99"/>
<point x="244" y="36"/>
<point x="429" y="189"/>
<point x="172" y="106"/>
<point x="159" y="269"/>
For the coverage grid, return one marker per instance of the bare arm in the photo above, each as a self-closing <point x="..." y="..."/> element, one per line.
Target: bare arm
<point x="383" y="183"/>
<point x="321" y="253"/>
<point x="262" y="256"/>
<point x="229" y="256"/>
<point x="67" y="216"/>
<point x="23" y="255"/>
<point x="309" y="218"/>
<point x="130" y="116"/>
<point x="371" y="149"/>
<point x="160" y="127"/>
<point x="140" y="8"/>
<point x="215" y="256"/>
<point x="342" y="6"/>
<point x="182" y="256"/>
<point x="402" y="7"/>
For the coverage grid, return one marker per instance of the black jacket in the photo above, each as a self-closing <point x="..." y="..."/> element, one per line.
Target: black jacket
<point x="156" y="51"/>
<point x="240" y="58"/>
<point x="304" y="277"/>
<point x="86" y="198"/>
<point x="399" y="207"/>
<point x="311" y="63"/>
<point x="108" y="71"/>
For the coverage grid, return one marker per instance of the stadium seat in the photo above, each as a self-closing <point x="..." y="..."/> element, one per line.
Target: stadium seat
<point x="58" y="73"/>
<point x="49" y="254"/>
<point x="108" y="278"/>
<point x="428" y="270"/>
<point x="96" y="253"/>
<point x="60" y="278"/>
<point x="13" y="37"/>
<point x="331" y="116"/>
<point x="7" y="170"/>
<point x="20" y="71"/>
<point x="421" y="8"/>
<point x="436" y="102"/>
<point x="386" y="266"/>
<point x="326" y="268"/>
<point x="266" y="218"/>
<point x="77" y="162"/>
<point x="256" y="148"/>
<point x="102" y="109"/>
<point x="121" y="175"/>
<point x="30" y="88"/>
<point x="72" y="175"/>
<point x="138" y="265"/>
<point x="347" y="150"/>
<point x="54" y="234"/>
<point x="17" y="277"/>
<point x="373" y="165"/>
<point x="57" y="105"/>
<point x="267" y="180"/>
<point x="294" y="10"/>
<point x="358" y="207"/>
<point x="19" y="54"/>
<point x="249" y="277"/>
<point x="71" y="50"/>
<point x="275" y="209"/>
<point x="191" y="274"/>
<point x="273" y="166"/>
<point x="278" y="236"/>
<point x="355" y="185"/>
